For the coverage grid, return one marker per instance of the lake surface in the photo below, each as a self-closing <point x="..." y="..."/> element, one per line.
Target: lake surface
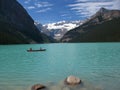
<point x="97" y="64"/>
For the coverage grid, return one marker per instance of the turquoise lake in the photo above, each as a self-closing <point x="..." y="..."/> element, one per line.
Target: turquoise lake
<point x="97" y="64"/>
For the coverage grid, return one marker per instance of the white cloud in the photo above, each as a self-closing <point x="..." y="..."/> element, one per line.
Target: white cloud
<point x="64" y="15"/>
<point x="116" y="4"/>
<point x="89" y="7"/>
<point x="43" y="10"/>
<point x="43" y="4"/>
<point x="31" y="7"/>
<point x="38" y="5"/>
<point x="27" y="1"/>
<point x="81" y="0"/>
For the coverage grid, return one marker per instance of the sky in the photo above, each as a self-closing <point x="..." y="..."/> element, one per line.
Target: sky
<point x="49" y="11"/>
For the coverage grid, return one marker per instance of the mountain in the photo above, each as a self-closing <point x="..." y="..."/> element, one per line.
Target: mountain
<point x="41" y="28"/>
<point x="58" y="29"/>
<point x="104" y="26"/>
<point x="45" y="33"/>
<point x="16" y="26"/>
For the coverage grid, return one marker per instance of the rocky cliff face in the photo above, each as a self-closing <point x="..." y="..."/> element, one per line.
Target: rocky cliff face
<point x="104" y="26"/>
<point x="16" y="26"/>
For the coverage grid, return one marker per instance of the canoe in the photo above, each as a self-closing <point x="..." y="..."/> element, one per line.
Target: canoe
<point x="36" y="50"/>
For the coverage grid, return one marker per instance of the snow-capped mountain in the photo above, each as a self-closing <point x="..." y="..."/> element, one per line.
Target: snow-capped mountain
<point x="68" y="25"/>
<point x="42" y="28"/>
<point x="58" y="29"/>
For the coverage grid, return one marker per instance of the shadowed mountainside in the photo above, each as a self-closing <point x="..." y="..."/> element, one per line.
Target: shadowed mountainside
<point x="16" y="26"/>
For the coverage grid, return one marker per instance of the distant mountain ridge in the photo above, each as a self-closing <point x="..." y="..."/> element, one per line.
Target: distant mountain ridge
<point x="104" y="26"/>
<point x="16" y="26"/>
<point x="58" y="29"/>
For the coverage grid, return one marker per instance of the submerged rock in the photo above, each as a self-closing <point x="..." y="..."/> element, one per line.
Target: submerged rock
<point x="55" y="88"/>
<point x="38" y="87"/>
<point x="66" y="88"/>
<point x="72" y="80"/>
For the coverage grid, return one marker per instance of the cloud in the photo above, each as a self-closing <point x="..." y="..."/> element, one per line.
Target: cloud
<point x="86" y="8"/>
<point x="27" y="1"/>
<point x="38" y="6"/>
<point x="43" y="4"/>
<point x="64" y="15"/>
<point x="43" y="10"/>
<point x="30" y="7"/>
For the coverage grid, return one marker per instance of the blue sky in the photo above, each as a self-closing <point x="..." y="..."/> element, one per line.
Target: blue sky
<point x="49" y="11"/>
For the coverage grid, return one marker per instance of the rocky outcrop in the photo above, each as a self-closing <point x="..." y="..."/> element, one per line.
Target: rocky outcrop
<point x="16" y="26"/>
<point x="101" y="27"/>
<point x="72" y="80"/>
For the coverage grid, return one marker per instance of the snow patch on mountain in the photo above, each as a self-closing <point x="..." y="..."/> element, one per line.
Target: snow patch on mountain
<point x="58" y="29"/>
<point x="68" y="25"/>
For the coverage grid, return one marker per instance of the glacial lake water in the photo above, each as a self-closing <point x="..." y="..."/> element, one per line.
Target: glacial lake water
<point x="97" y="64"/>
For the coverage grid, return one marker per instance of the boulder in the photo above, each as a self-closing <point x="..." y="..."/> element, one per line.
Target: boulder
<point x="72" y="80"/>
<point x="38" y="87"/>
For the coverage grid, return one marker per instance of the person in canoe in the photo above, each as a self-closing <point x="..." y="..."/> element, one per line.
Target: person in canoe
<point x="40" y="48"/>
<point x="30" y="49"/>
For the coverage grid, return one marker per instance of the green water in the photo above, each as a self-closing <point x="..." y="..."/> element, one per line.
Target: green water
<point x="95" y="63"/>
